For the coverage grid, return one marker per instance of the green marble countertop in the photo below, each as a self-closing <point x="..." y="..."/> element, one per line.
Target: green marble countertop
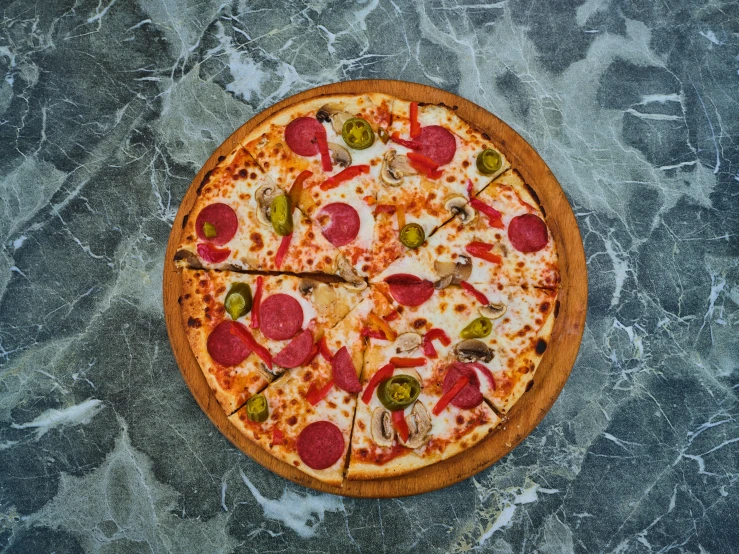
<point x="107" y="110"/>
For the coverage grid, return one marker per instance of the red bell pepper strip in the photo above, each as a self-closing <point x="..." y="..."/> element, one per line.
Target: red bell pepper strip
<point x="324" y="349"/>
<point x="482" y="250"/>
<point x="323" y="149"/>
<point x="298" y="186"/>
<point x="277" y="436"/>
<point x="315" y="395"/>
<point x="345" y="175"/>
<point x="423" y="160"/>
<point x="255" y="304"/>
<point x="412" y="144"/>
<point x="440" y="335"/>
<point x="470" y="188"/>
<point x="486" y="372"/>
<point x="495" y="218"/>
<point x="400" y="424"/>
<point x="450" y="394"/>
<point x="428" y="348"/>
<point x="481" y="298"/>
<point x="385" y="372"/>
<point x="385" y="209"/>
<point x="407" y="362"/>
<point x="282" y="250"/>
<point x="392" y="316"/>
<point x="424" y="170"/>
<point x="248" y="339"/>
<point x="211" y="253"/>
<point x="415" y="126"/>
<point x="373" y="333"/>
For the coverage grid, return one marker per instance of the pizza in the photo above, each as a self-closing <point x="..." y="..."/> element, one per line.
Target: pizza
<point x="368" y="285"/>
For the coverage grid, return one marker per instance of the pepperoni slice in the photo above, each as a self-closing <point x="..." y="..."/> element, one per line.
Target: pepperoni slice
<point x="211" y="253"/>
<point x="339" y="223"/>
<point x="224" y="347"/>
<point x="437" y="143"/>
<point x="409" y="290"/>
<point x="280" y="317"/>
<point x="300" y="135"/>
<point x="470" y="396"/>
<point x="320" y="444"/>
<point x="222" y="217"/>
<point x="528" y="233"/>
<point x="296" y="352"/>
<point x="344" y="372"/>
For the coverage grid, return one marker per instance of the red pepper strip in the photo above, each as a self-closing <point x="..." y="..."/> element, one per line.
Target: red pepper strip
<point x="385" y="209"/>
<point x="315" y="395"/>
<point x="415" y="126"/>
<point x="323" y="149"/>
<point x="407" y="362"/>
<point x="481" y="250"/>
<point x="481" y="298"/>
<point x="440" y="335"/>
<point x="382" y="325"/>
<point x="450" y="394"/>
<point x="423" y="160"/>
<point x="248" y="339"/>
<point x="424" y="169"/>
<point x="373" y="333"/>
<point x="255" y="304"/>
<point x="277" y="436"/>
<point x="486" y="372"/>
<point x="495" y="218"/>
<point x="298" y="185"/>
<point x="385" y="372"/>
<point x="211" y="253"/>
<point x="428" y="348"/>
<point x="470" y="188"/>
<point x="282" y="250"/>
<point x="400" y="425"/>
<point x="313" y="354"/>
<point x="323" y="348"/>
<point x="392" y="316"/>
<point x="412" y="144"/>
<point x="345" y="175"/>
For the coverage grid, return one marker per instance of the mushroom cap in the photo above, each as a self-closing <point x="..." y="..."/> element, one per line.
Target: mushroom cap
<point x="472" y="350"/>
<point x="381" y="428"/>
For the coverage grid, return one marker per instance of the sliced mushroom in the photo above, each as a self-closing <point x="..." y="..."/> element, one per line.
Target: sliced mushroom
<point x="457" y="205"/>
<point x="307" y="285"/>
<point x="335" y="114"/>
<point x="382" y="429"/>
<point x="473" y="350"/>
<point x="493" y="310"/>
<point x="419" y="425"/>
<point x="452" y="273"/>
<point x="264" y="197"/>
<point x="340" y="155"/>
<point x="407" y="342"/>
<point x="394" y="167"/>
<point x="500" y="249"/>
<point x="346" y="271"/>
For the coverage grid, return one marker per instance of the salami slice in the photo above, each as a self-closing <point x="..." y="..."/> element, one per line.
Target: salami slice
<point x="320" y="444"/>
<point x="280" y="317"/>
<point x="528" y="233"/>
<point x="344" y="372"/>
<point x="223" y="220"/>
<point x="300" y="135"/>
<point x="437" y="143"/>
<point x="470" y="396"/>
<point x="409" y="290"/>
<point x="296" y="352"/>
<point x="224" y="347"/>
<point x="339" y="223"/>
<point x="211" y="253"/>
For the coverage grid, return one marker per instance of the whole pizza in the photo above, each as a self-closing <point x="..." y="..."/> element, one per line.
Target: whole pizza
<point x="367" y="285"/>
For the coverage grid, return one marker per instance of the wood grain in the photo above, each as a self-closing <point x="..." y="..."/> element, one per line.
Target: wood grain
<point x="553" y="371"/>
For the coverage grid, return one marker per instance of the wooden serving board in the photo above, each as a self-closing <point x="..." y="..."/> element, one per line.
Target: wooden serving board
<point x="553" y="371"/>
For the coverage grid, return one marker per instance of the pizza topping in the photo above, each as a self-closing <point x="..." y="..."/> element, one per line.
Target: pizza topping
<point x="301" y="136"/>
<point x="398" y="392"/>
<point x="410" y="144"/>
<point x="248" y="339"/>
<point x="528" y="233"/>
<point x="419" y="427"/>
<point x="413" y="116"/>
<point x="382" y="133"/>
<point x="482" y="250"/>
<point x="334" y="114"/>
<point x="400" y="425"/>
<point x="346" y="271"/>
<point x="339" y="155"/>
<point x="489" y="161"/>
<point x="458" y="206"/>
<point x="339" y="223"/>
<point x="344" y="175"/>
<point x="383" y="373"/>
<point x="257" y="303"/>
<point x="210" y="253"/>
<point x="452" y="273"/>
<point x="296" y="189"/>
<point x="437" y="143"/>
<point x="307" y="286"/>
<point x="282" y="250"/>
<point x="473" y="350"/>
<point x="324" y="349"/>
<point x="357" y="133"/>
<point x="281" y="215"/>
<point x="424" y="166"/>
<point x="450" y="394"/>
<point x="264" y="197"/>
<point x="412" y="235"/>
<point x="409" y="290"/>
<point x="407" y="342"/>
<point x="440" y="335"/>
<point x="382" y="325"/>
<point x="394" y="167"/>
<point x="486" y="372"/>
<point x="477" y="329"/>
<point x="494" y="310"/>
<point x="381" y="427"/>
<point x="238" y="300"/>
<point x="257" y="409"/>
<point x="407" y="362"/>
<point x="344" y="372"/>
<point x="480" y="297"/>
<point x="277" y="436"/>
<point x="296" y="352"/>
<point x="495" y="218"/>
<point x="469" y="396"/>
<point x="315" y="395"/>
<point x="225" y="348"/>
<point x="216" y="223"/>
<point x="320" y="444"/>
<point x="280" y="317"/>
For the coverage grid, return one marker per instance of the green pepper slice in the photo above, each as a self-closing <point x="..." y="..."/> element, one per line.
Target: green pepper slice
<point x="209" y="230"/>
<point x="479" y="328"/>
<point x="281" y="215"/>
<point x="382" y="133"/>
<point x="398" y="392"/>
<point x="257" y="409"/>
<point x="357" y="133"/>
<point x="489" y="161"/>
<point x="412" y="235"/>
<point x="238" y="300"/>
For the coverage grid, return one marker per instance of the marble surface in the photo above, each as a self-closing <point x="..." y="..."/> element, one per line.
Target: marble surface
<point x="109" y="107"/>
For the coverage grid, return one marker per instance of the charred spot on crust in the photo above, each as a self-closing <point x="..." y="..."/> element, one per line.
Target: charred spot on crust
<point x="221" y="158"/>
<point x="541" y="346"/>
<point x="184" y="220"/>
<point x="292" y="420"/>
<point x="242" y="173"/>
<point x="419" y="323"/>
<point x="486" y="136"/>
<point x="529" y="385"/>
<point x="556" y="308"/>
<point x="194" y="323"/>
<point x="544" y="308"/>
<point x="204" y="182"/>
<point x="179" y="300"/>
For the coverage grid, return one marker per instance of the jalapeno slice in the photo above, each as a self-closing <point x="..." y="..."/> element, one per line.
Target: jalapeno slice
<point x="382" y="133"/>
<point x="257" y="409"/>
<point x="398" y="392"/>
<point x="412" y="235"/>
<point x="357" y="133"/>
<point x="281" y="215"/>
<point x="488" y="161"/>
<point x="477" y="329"/>
<point x="238" y="300"/>
<point x="209" y="230"/>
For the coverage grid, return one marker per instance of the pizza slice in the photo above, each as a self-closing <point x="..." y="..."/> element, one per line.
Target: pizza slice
<point x="244" y="329"/>
<point x="305" y="417"/>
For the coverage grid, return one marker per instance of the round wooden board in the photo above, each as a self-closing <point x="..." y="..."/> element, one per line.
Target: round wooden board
<point x="555" y="366"/>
